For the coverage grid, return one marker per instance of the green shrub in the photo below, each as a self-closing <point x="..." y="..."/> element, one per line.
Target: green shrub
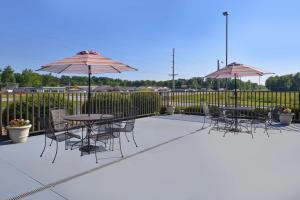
<point x="106" y="103"/>
<point x="36" y="108"/>
<point x="146" y="102"/>
<point x="163" y="110"/>
<point x="193" y="109"/>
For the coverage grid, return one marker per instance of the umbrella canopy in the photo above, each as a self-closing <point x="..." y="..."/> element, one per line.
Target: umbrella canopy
<point x="236" y="70"/>
<point x="86" y="62"/>
<point x="79" y="64"/>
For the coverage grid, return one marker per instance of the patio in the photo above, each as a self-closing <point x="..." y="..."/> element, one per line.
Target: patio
<point x="175" y="160"/>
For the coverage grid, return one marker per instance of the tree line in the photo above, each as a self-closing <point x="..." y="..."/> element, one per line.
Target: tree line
<point x="290" y="82"/>
<point x="28" y="78"/>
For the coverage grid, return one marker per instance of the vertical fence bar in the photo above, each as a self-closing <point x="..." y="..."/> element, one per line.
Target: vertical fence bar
<point x="21" y="108"/>
<point x="7" y="110"/>
<point x="39" y="111"/>
<point x="14" y="105"/>
<point x="1" y="125"/>
<point x="32" y="110"/>
<point x="44" y="107"/>
<point x="26" y="99"/>
<point x="299" y="105"/>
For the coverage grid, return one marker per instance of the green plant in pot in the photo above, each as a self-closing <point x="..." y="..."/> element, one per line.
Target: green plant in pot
<point x="18" y="130"/>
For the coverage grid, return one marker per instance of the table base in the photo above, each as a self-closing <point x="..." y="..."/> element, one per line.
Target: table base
<point x="235" y="130"/>
<point x="89" y="148"/>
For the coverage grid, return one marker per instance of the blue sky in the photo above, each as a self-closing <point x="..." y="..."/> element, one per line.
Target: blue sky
<point x="142" y="34"/>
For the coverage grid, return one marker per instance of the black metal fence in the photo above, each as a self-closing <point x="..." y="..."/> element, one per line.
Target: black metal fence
<point x="32" y="106"/>
<point x="190" y="102"/>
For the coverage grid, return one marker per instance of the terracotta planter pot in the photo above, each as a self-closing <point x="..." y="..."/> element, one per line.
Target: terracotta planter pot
<point x="170" y="110"/>
<point x="18" y="134"/>
<point x="286" y="118"/>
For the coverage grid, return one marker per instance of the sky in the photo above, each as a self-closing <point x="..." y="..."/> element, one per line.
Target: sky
<point x="142" y="33"/>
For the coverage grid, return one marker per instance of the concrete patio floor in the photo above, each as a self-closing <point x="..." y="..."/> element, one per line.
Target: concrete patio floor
<point x="175" y="160"/>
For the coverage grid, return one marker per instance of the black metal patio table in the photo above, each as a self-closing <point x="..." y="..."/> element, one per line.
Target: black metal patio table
<point x="89" y="121"/>
<point x="237" y="109"/>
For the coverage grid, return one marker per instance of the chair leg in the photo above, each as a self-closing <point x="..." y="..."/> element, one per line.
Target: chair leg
<point x="96" y="152"/>
<point x="203" y="122"/>
<point x="225" y="133"/>
<point x="44" y="146"/>
<point x="55" y="152"/>
<point x="120" y="146"/>
<point x="126" y="137"/>
<point x="110" y="143"/>
<point x="266" y="130"/>
<point x="51" y="143"/>
<point x="66" y="145"/>
<point x="133" y="138"/>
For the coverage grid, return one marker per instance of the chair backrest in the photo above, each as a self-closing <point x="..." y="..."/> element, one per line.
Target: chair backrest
<point x="57" y="117"/>
<point x="205" y="108"/>
<point x="129" y="126"/>
<point x="102" y="128"/>
<point x="48" y="128"/>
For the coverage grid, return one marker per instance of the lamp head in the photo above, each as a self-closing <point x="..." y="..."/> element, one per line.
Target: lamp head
<point x="225" y="13"/>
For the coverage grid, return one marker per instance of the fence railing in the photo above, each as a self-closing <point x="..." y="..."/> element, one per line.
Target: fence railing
<point x="190" y="102"/>
<point x="32" y="106"/>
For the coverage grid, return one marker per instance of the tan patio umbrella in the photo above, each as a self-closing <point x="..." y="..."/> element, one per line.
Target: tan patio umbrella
<point x="236" y="70"/>
<point x="86" y="62"/>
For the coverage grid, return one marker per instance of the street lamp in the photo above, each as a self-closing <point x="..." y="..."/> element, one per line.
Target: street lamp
<point x="226" y="58"/>
<point x="226" y="15"/>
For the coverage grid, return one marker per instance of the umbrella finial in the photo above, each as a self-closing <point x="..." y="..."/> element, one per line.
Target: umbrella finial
<point x="90" y="52"/>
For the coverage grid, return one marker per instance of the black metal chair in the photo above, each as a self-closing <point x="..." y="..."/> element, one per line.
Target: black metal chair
<point x="127" y="128"/>
<point x="105" y="132"/>
<point x="216" y="118"/>
<point x="51" y="134"/>
<point x="267" y="119"/>
<point x="59" y="124"/>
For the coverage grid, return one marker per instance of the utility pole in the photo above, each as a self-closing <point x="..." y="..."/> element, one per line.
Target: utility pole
<point x="173" y="70"/>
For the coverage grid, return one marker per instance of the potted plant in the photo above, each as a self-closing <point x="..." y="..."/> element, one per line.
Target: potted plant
<point x="286" y="116"/>
<point x="18" y="130"/>
<point x="171" y="109"/>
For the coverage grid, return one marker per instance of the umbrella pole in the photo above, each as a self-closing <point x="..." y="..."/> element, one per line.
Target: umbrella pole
<point x="89" y="92"/>
<point x="235" y="103"/>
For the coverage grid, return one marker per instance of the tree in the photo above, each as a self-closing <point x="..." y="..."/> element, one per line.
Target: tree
<point x="7" y="75"/>
<point x="30" y="79"/>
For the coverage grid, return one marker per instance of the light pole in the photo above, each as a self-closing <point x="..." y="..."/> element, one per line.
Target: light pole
<point x="226" y="15"/>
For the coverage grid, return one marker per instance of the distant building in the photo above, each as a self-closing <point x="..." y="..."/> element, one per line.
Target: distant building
<point x="106" y="88"/>
<point x="24" y="89"/>
<point x="9" y="87"/>
<point x="50" y="89"/>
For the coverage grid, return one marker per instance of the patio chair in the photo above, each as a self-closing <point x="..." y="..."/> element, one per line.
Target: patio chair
<point x="59" y="124"/>
<point x="127" y="128"/>
<point x="106" y="132"/>
<point x="51" y="134"/>
<point x="267" y="119"/>
<point x="216" y="117"/>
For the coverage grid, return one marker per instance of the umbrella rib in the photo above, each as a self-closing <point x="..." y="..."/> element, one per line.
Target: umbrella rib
<point x="132" y="67"/>
<point x="115" y="69"/>
<point x="43" y="67"/>
<point x="64" y="69"/>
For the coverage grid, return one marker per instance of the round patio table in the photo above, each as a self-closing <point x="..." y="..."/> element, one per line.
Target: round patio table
<point x="88" y="121"/>
<point x="236" y="109"/>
